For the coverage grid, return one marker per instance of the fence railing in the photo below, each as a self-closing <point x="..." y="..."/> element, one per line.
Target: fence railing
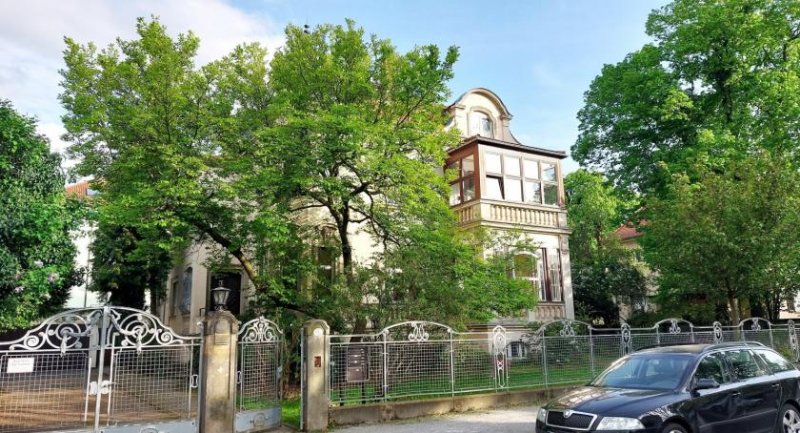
<point x="418" y="359"/>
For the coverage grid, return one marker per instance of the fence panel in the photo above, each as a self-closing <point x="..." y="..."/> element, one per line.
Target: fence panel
<point x="44" y="376"/>
<point x="360" y="381"/>
<point x="258" y="379"/>
<point x="425" y="359"/>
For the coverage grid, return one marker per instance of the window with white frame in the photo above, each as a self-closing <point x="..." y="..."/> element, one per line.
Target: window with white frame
<point x="549" y="275"/>
<point x="512" y="177"/>
<point x="481" y="124"/>
<point x="462" y="188"/>
<point x="517" y="349"/>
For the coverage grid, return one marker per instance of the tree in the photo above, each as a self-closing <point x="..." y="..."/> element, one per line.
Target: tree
<point x="128" y="267"/>
<point x="604" y="273"/>
<point x="729" y="237"/>
<point x="36" y="254"/>
<point x="719" y="81"/>
<point x="341" y="130"/>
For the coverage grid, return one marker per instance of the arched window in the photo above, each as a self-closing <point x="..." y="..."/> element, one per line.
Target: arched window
<point x="481" y="124"/>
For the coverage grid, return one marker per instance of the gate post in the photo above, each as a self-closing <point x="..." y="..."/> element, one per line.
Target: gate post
<point x="218" y="377"/>
<point x="315" y="372"/>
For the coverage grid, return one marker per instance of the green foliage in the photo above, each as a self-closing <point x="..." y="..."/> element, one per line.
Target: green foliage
<point x="720" y="80"/>
<point x="339" y="138"/>
<point x="36" y="253"/>
<point x="127" y="266"/>
<point x="731" y="235"/>
<point x="604" y="273"/>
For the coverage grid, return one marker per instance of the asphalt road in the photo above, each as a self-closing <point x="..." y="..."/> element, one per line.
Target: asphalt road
<point x="509" y="420"/>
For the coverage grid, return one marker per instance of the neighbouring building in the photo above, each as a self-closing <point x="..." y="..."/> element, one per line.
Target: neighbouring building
<point x="503" y="185"/>
<point x="629" y="238"/>
<point x="79" y="296"/>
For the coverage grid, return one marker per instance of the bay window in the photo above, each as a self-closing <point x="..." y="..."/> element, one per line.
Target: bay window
<point x="518" y="178"/>
<point x="462" y="189"/>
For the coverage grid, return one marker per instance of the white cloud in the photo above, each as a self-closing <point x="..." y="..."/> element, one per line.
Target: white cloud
<point x="32" y="32"/>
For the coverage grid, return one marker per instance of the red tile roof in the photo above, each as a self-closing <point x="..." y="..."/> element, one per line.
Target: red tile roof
<point x="627" y="232"/>
<point x="78" y="190"/>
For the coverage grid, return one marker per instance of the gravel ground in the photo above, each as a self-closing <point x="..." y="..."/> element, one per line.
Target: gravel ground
<point x="509" y="420"/>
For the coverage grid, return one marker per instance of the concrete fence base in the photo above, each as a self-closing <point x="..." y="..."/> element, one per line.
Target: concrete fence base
<point x="381" y="412"/>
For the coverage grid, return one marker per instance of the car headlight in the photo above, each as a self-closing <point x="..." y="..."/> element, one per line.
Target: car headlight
<point x="616" y="423"/>
<point x="542" y="415"/>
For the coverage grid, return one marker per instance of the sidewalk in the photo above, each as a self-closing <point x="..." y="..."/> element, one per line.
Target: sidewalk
<point x="508" y="420"/>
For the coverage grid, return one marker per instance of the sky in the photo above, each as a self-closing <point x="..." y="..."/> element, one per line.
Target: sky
<point x="539" y="56"/>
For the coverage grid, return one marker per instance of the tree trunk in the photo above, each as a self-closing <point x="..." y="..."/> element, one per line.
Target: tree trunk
<point x="733" y="307"/>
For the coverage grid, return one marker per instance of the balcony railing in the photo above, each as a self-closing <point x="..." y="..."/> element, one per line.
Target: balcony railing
<point x="509" y="213"/>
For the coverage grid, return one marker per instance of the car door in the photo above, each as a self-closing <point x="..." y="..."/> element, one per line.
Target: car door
<point x="715" y="408"/>
<point x="759" y="392"/>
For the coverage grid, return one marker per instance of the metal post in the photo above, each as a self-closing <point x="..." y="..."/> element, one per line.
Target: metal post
<point x="101" y="355"/>
<point x="303" y="376"/>
<point x="200" y="357"/>
<point x="771" y="338"/>
<point x="452" y="365"/>
<point x="591" y="351"/>
<point x="544" y="361"/>
<point x="385" y="367"/>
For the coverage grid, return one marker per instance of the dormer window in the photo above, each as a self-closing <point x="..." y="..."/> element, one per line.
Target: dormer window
<point x="481" y="124"/>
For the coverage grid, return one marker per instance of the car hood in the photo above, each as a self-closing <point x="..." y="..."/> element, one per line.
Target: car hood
<point x="613" y="401"/>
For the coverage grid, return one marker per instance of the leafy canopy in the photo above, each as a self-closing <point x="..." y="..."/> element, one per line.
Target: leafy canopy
<point x="36" y="254"/>
<point x="335" y="146"/>
<point x="720" y="81"/>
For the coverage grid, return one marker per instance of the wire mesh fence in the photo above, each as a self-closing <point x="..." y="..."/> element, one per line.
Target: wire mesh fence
<point x="259" y="379"/>
<point x="83" y="369"/>
<point x="418" y="359"/>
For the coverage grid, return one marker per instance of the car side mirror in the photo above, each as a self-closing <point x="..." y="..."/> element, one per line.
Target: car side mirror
<point x="705" y="383"/>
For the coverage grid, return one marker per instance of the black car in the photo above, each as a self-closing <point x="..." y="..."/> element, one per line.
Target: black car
<point x="698" y="388"/>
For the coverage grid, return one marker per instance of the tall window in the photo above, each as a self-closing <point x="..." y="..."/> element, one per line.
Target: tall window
<point x="549" y="275"/>
<point x="550" y="183"/>
<point x="186" y="296"/>
<point x="481" y="124"/>
<point x="175" y="296"/>
<point x="543" y="270"/>
<point x="494" y="176"/>
<point x="462" y="189"/>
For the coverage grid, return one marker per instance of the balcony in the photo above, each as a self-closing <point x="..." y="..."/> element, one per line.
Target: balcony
<point x="547" y="311"/>
<point x="501" y="213"/>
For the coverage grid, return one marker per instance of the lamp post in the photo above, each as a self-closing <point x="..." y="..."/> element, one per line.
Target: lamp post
<point x="220" y="297"/>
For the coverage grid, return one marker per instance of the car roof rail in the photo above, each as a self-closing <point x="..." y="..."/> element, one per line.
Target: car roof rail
<point x="727" y="344"/>
<point x="656" y="346"/>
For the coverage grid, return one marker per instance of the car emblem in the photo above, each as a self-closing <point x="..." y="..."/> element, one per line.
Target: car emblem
<point x="567" y="414"/>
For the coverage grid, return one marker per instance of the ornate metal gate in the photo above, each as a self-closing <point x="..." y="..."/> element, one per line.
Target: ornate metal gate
<point x="111" y="370"/>
<point x="258" y="380"/>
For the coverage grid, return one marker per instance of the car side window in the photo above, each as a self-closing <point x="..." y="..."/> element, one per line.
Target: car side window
<point x="743" y="364"/>
<point x="775" y="362"/>
<point x="712" y="367"/>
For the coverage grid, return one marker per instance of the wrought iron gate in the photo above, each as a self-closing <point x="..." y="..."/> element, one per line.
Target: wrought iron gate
<point x="109" y="369"/>
<point x="258" y="381"/>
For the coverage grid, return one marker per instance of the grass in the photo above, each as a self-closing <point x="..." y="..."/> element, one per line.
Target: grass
<point x="478" y="382"/>
<point x="290" y="412"/>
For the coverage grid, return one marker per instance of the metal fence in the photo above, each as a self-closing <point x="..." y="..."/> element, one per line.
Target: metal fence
<point x="419" y="359"/>
<point x="106" y="368"/>
<point x="258" y="382"/>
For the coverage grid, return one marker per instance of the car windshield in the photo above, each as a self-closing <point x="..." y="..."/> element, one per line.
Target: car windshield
<point x="660" y="371"/>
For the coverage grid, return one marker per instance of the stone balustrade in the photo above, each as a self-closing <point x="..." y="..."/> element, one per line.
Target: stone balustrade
<point x="508" y="213"/>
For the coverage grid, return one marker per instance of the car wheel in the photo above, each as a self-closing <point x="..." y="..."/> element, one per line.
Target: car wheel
<point x="673" y="428"/>
<point x="790" y="419"/>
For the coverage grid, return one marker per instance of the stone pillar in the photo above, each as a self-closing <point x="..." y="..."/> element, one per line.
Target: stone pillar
<point x="218" y="378"/>
<point x="315" y="375"/>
